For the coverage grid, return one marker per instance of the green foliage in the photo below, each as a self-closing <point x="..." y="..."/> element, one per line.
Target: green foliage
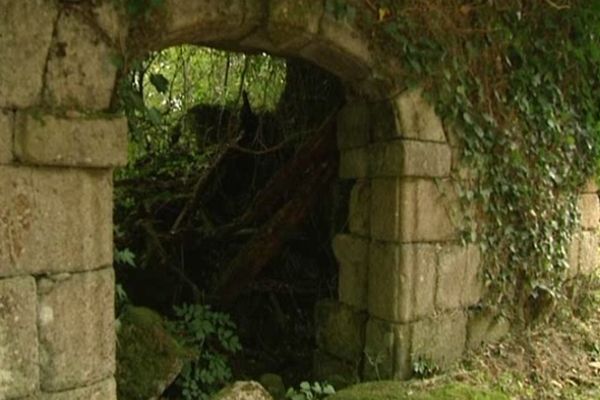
<point x="212" y="335"/>
<point x="517" y="84"/>
<point x="308" y="391"/>
<point x="158" y="91"/>
<point x="423" y="368"/>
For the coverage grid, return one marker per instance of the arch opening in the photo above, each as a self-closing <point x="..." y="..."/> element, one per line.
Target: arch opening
<point x="230" y="198"/>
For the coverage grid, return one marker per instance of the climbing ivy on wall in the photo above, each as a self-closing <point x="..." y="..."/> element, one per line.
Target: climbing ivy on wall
<point x="517" y="83"/>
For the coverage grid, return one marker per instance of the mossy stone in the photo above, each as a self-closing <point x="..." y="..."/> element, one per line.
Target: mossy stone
<point x="149" y="358"/>
<point x="388" y="390"/>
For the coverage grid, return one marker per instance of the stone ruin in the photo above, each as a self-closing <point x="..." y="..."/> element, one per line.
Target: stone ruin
<point x="405" y="281"/>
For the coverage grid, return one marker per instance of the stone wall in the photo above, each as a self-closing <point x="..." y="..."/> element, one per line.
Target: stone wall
<point x="57" y="150"/>
<point x="405" y="281"/>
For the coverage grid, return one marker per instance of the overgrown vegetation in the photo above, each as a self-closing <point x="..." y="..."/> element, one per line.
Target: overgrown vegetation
<point x="517" y="84"/>
<point x="219" y="187"/>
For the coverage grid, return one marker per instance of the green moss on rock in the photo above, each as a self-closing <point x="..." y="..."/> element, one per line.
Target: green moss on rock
<point x="387" y="390"/>
<point x="148" y="356"/>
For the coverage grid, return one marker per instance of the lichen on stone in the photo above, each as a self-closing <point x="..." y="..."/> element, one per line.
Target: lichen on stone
<point x="391" y="390"/>
<point x="149" y="358"/>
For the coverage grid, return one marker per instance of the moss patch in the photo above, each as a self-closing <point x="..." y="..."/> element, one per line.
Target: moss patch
<point x="148" y="357"/>
<point x="387" y="390"/>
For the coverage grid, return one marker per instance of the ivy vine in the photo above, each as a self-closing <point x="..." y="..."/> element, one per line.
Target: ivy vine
<point x="518" y="83"/>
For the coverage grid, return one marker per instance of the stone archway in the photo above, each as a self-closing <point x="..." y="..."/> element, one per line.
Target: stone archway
<point x="405" y="280"/>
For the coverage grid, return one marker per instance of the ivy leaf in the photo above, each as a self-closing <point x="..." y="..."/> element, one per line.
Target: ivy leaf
<point x="160" y="83"/>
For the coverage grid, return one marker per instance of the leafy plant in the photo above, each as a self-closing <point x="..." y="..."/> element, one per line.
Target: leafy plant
<point x="213" y="336"/>
<point x="308" y="391"/>
<point x="424" y="368"/>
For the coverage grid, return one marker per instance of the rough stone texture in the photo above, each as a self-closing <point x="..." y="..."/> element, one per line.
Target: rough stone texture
<point x="337" y="372"/>
<point x="458" y="283"/>
<point x="354" y="163"/>
<point x="485" y="327"/>
<point x="410" y="158"/>
<point x="25" y="34"/>
<point x="407" y="210"/>
<point x="379" y="350"/>
<point x="292" y="24"/>
<point x="81" y="71"/>
<point x="387" y="350"/>
<point x="591" y="186"/>
<point x="105" y="390"/>
<point x="360" y="208"/>
<point x="440" y="340"/>
<point x="54" y="220"/>
<point x="573" y="255"/>
<point x="588" y="253"/>
<point x="417" y="118"/>
<point x="341" y="49"/>
<point x="6" y="137"/>
<point x="352" y="255"/>
<point x="353" y="126"/>
<point x="85" y="142"/>
<point x="204" y="21"/>
<point x="589" y="207"/>
<point x="473" y="282"/>
<point x="76" y="328"/>
<point x="243" y="390"/>
<point x="109" y="18"/>
<point x="340" y="330"/>
<point x="401" y="281"/>
<point x="19" y="371"/>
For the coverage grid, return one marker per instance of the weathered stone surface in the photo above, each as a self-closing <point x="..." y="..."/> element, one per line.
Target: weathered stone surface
<point x="411" y="210"/>
<point x="341" y="49"/>
<point x="6" y="137"/>
<point x="353" y="125"/>
<point x="410" y="158"/>
<point x="379" y="350"/>
<point x="440" y="340"/>
<point x="573" y="255"/>
<point x="473" y="282"/>
<point x="149" y="358"/>
<point x="589" y="207"/>
<point x="84" y="142"/>
<point x="340" y="330"/>
<point x="417" y="118"/>
<point x="76" y="329"/>
<point x="292" y="24"/>
<point x="204" y="21"/>
<point x="387" y="350"/>
<point x="81" y="72"/>
<point x="401" y="281"/>
<point x="354" y="163"/>
<point x="19" y="371"/>
<point x="352" y="255"/>
<point x="588" y="253"/>
<point x="25" y="34"/>
<point x="336" y="372"/>
<point x="110" y="19"/>
<point x="105" y="390"/>
<point x="54" y="220"/>
<point x="243" y="390"/>
<point x="591" y="186"/>
<point x="458" y="282"/>
<point x="360" y="208"/>
<point x="485" y="327"/>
